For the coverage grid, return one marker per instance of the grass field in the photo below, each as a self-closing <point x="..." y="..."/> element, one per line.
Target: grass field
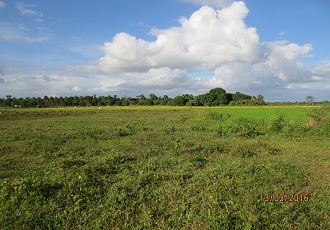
<point x="165" y="168"/>
<point x="294" y="113"/>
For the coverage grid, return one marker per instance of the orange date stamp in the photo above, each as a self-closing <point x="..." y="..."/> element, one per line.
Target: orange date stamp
<point x="282" y="197"/>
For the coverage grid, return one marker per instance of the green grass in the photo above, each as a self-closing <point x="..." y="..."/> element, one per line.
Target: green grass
<point x="164" y="168"/>
<point x="258" y="113"/>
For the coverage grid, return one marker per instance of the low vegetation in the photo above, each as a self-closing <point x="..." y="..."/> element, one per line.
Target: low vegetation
<point x="165" y="168"/>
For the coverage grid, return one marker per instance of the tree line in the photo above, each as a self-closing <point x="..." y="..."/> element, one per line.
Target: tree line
<point x="214" y="97"/>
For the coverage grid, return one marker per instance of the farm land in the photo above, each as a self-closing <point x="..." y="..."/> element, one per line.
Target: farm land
<point x="165" y="168"/>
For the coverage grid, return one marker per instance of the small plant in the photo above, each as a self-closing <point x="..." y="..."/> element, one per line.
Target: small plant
<point x="267" y="149"/>
<point x="122" y="159"/>
<point x="129" y="126"/>
<point x="122" y="132"/>
<point x="144" y="128"/>
<point x="289" y="129"/>
<point x="177" y="144"/>
<point x="67" y="164"/>
<point x="169" y="129"/>
<point x="219" y="116"/>
<point x="241" y="127"/>
<point x="197" y="128"/>
<point x="199" y="161"/>
<point x="246" y="128"/>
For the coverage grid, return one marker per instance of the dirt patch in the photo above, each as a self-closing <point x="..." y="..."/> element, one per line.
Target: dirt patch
<point x="205" y="112"/>
<point x="312" y="123"/>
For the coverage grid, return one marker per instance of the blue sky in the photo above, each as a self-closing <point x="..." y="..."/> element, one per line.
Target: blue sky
<point x="60" y="48"/>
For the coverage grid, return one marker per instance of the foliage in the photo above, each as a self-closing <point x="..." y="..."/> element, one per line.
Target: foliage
<point x="240" y="126"/>
<point x="276" y="124"/>
<point x="214" y="97"/>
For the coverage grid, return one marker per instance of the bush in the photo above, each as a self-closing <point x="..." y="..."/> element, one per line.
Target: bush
<point x="276" y="124"/>
<point x="239" y="126"/>
<point x="317" y="115"/>
<point x="219" y="116"/>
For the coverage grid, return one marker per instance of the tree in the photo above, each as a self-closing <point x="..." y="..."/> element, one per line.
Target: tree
<point x="9" y="100"/>
<point x="217" y="96"/>
<point x="141" y="99"/>
<point x="154" y="99"/>
<point x="260" y="99"/>
<point x="125" y="100"/>
<point x="214" y="97"/>
<point x="240" y="97"/>
<point x="164" y="100"/>
<point x="310" y="99"/>
<point x="179" y="100"/>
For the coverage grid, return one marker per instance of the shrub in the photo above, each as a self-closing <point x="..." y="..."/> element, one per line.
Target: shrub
<point x="289" y="129"/>
<point x="321" y="128"/>
<point x="317" y="115"/>
<point x="239" y="126"/>
<point x="219" y="116"/>
<point x="276" y="124"/>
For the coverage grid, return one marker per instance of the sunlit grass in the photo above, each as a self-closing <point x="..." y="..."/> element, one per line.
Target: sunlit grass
<point x="163" y="167"/>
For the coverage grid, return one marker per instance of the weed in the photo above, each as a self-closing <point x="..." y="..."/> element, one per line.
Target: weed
<point x="241" y="127"/>
<point x="199" y="161"/>
<point x="177" y="144"/>
<point x="169" y="129"/>
<point x="123" y="132"/>
<point x="317" y="115"/>
<point x="122" y="159"/>
<point x="277" y="123"/>
<point x="197" y="128"/>
<point x="219" y="116"/>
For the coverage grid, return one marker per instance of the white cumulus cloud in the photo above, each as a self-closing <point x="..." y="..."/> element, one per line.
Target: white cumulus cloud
<point x="208" y="39"/>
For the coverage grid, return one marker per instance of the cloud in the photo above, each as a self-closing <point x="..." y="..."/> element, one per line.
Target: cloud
<point x="213" y="3"/>
<point x="18" y="32"/>
<point x="22" y="83"/>
<point x="13" y="31"/>
<point x="210" y="40"/>
<point x="76" y="89"/>
<point x="2" y="4"/>
<point x="27" y="9"/>
<point x="206" y="40"/>
<point x="323" y="69"/>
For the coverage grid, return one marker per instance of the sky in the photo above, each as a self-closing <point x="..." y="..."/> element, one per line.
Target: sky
<point x="279" y="49"/>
